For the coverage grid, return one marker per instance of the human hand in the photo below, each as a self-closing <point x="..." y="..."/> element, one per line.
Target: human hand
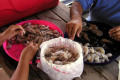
<point x="74" y="27"/>
<point x="29" y="52"/>
<point x="115" y="33"/>
<point x="13" y="30"/>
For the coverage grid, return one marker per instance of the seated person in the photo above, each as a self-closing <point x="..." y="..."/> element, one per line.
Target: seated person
<point x="27" y="54"/>
<point x="105" y="11"/>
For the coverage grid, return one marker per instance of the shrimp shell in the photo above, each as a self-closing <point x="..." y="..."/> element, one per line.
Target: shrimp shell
<point x="9" y="46"/>
<point x="100" y="49"/>
<point x="106" y="58"/>
<point x="91" y="50"/>
<point x="109" y="55"/>
<point x="84" y="24"/>
<point x="89" y="57"/>
<point x="93" y="27"/>
<point x="97" y="32"/>
<point x="85" y="29"/>
<point x="106" y="41"/>
<point x="87" y="44"/>
<point x="86" y="50"/>
<point x="97" y="61"/>
<point x="86" y="37"/>
<point x="97" y="58"/>
<point x="92" y="57"/>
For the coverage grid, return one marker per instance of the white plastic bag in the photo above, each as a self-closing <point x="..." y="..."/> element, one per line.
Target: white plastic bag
<point x="61" y="72"/>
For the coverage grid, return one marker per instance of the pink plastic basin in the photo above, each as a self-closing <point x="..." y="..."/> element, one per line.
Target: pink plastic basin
<point x="15" y="51"/>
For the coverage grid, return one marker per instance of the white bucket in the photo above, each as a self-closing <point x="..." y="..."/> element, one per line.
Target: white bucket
<point x="61" y="72"/>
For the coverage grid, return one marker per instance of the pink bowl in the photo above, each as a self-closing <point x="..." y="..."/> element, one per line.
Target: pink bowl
<point x="16" y="49"/>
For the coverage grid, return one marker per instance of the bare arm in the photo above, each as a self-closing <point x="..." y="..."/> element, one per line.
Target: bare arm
<point x="75" y="25"/>
<point x="76" y="11"/>
<point x="22" y="70"/>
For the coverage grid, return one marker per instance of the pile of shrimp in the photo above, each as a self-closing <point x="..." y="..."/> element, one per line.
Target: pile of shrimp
<point x="61" y="55"/>
<point x="95" y="54"/>
<point x="92" y="28"/>
<point x="34" y="33"/>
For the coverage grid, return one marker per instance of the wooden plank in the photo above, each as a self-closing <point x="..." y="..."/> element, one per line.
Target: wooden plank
<point x="77" y="78"/>
<point x="40" y="73"/>
<point x="62" y="11"/>
<point x="50" y="16"/>
<point x="31" y="18"/>
<point x="90" y="74"/>
<point x="109" y="71"/>
<point x="33" y="75"/>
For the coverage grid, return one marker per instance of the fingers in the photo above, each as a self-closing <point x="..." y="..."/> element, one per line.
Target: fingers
<point x="70" y="30"/>
<point x="117" y="38"/>
<point x="115" y="29"/>
<point x="18" y="32"/>
<point x="36" y="45"/>
<point x="79" y="31"/>
<point x="74" y="26"/>
<point x="73" y="32"/>
<point x="73" y="29"/>
<point x="33" y="45"/>
<point x="115" y="33"/>
<point x="18" y="29"/>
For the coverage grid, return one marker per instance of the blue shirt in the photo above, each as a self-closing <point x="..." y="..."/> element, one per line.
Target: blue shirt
<point x="106" y="11"/>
